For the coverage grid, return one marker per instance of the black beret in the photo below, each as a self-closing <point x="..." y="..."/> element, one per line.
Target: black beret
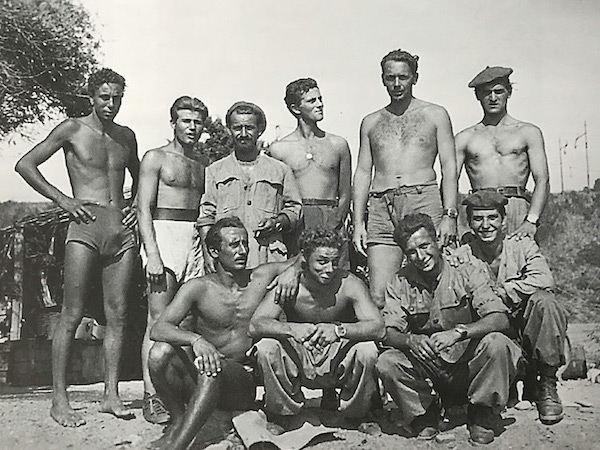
<point x="489" y="74"/>
<point x="485" y="199"/>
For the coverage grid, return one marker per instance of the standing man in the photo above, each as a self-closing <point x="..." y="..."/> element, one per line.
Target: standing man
<point x="260" y="190"/>
<point x="171" y="184"/>
<point x="500" y="152"/>
<point x="398" y="147"/>
<point x="443" y="326"/>
<point x="320" y="162"/>
<point x="99" y="238"/>
<point x="326" y="340"/>
<point x="523" y="279"/>
<point x="195" y="371"/>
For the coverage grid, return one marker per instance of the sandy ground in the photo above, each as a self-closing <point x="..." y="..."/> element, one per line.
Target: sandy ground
<point x="26" y="424"/>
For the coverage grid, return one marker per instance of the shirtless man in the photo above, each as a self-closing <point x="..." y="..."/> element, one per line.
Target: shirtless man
<point x="171" y="184"/>
<point x="221" y="304"/>
<point x="500" y="152"/>
<point x="320" y="161"/>
<point x="97" y="152"/>
<point x="327" y="338"/>
<point x="399" y="143"/>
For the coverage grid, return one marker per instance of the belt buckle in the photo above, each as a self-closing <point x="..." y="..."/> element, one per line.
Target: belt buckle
<point x="500" y="190"/>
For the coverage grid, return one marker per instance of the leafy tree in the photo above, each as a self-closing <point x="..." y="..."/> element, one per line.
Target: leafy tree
<point x="218" y="144"/>
<point x="47" y="49"/>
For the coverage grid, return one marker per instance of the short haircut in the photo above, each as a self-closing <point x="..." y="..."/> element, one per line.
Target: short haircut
<point x="504" y="81"/>
<point x="409" y="225"/>
<point x="296" y="89"/>
<point x="247" y="108"/>
<point x="191" y="103"/>
<point x="314" y="238"/>
<point x="402" y="56"/>
<point x="214" y="238"/>
<point x="500" y="208"/>
<point x="102" y="76"/>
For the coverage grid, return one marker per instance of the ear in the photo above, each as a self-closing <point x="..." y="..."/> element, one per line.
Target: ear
<point x="294" y="109"/>
<point x="415" y="78"/>
<point x="173" y="125"/>
<point x="213" y="252"/>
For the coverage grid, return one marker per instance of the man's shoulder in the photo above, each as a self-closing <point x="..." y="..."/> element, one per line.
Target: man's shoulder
<point x="468" y="132"/>
<point x="219" y="164"/>
<point x="337" y="142"/>
<point x="372" y="118"/>
<point x="274" y="163"/>
<point x="431" y="110"/>
<point x="525" y="246"/>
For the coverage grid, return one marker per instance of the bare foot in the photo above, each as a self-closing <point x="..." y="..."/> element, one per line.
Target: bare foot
<point x="115" y="407"/>
<point x="66" y="416"/>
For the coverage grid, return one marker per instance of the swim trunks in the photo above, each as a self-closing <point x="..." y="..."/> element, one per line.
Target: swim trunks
<point x="175" y="233"/>
<point x="106" y="234"/>
<point x="391" y="205"/>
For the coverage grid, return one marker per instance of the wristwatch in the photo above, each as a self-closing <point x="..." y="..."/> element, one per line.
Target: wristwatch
<point x="462" y="330"/>
<point x="532" y="219"/>
<point x="450" y="212"/>
<point x="340" y="330"/>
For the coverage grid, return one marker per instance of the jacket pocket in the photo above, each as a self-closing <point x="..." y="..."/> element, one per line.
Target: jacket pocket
<point x="229" y="195"/>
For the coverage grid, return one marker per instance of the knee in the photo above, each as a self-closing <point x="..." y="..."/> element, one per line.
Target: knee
<point x="544" y="302"/>
<point x="377" y="295"/>
<point x="267" y="349"/>
<point x="366" y="353"/>
<point x="494" y="344"/>
<point x="71" y="317"/>
<point x="386" y="364"/>
<point x="159" y="356"/>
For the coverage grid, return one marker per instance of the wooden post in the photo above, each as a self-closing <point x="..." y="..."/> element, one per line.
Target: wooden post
<point x="17" y="300"/>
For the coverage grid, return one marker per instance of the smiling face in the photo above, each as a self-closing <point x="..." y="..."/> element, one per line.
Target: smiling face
<point x="423" y="252"/>
<point x="322" y="264"/>
<point x="233" y="253"/>
<point x="493" y="97"/>
<point x="106" y="101"/>
<point x="487" y="224"/>
<point x="310" y="106"/>
<point x="398" y="79"/>
<point x="187" y="127"/>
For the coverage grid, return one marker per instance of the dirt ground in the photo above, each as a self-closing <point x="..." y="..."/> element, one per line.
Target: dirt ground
<point x="26" y="424"/>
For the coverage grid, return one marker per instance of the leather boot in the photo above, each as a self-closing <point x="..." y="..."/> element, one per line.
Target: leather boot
<point x="548" y="403"/>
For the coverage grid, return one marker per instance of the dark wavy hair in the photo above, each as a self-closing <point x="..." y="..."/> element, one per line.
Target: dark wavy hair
<point x="214" y="237"/>
<point x="402" y="56"/>
<point x="409" y="225"/>
<point x="296" y="89"/>
<point x="102" y="76"/>
<point x="320" y="237"/>
<point x="191" y="103"/>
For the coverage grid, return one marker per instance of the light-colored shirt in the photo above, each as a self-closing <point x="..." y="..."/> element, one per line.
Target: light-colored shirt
<point x="256" y="192"/>
<point x="463" y="295"/>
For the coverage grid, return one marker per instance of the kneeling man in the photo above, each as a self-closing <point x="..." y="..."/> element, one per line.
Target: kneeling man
<point x="523" y="279"/>
<point x="443" y="326"/>
<point x="221" y="305"/>
<point x="327" y="340"/>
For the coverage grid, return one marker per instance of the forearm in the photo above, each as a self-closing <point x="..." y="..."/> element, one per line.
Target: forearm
<point x="362" y="182"/>
<point x="487" y="324"/>
<point x="147" y="231"/>
<point x="167" y="332"/>
<point x="369" y="330"/>
<point x="270" y="328"/>
<point x="449" y="189"/>
<point x="396" y="339"/>
<point x="539" y="198"/>
<point x="33" y="177"/>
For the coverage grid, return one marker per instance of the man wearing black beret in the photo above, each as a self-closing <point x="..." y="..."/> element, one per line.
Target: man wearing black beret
<point x="500" y="152"/>
<point x="522" y="278"/>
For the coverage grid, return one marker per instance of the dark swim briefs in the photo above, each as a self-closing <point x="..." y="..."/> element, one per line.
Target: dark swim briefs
<point x="106" y="235"/>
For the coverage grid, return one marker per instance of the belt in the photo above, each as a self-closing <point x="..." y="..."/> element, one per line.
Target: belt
<point x="508" y="191"/>
<point x="176" y="214"/>
<point x="320" y="201"/>
<point x="413" y="189"/>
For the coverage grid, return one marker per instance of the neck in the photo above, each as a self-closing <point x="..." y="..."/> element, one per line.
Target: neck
<point x="314" y="286"/>
<point x="491" y="250"/>
<point x="309" y="129"/>
<point x="494" y="119"/>
<point x="432" y="277"/>
<point x="231" y="278"/>
<point x="185" y="149"/>
<point x="400" y="106"/>
<point x="246" y="155"/>
<point x="101" y="125"/>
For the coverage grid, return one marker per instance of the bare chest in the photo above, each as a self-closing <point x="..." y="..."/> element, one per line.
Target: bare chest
<point x="490" y="143"/>
<point x="181" y="172"/>
<point x="314" y="156"/>
<point x="327" y="308"/>
<point x="408" y="131"/>
<point x="98" y="151"/>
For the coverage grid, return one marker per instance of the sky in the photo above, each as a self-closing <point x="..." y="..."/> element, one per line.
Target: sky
<point x="222" y="51"/>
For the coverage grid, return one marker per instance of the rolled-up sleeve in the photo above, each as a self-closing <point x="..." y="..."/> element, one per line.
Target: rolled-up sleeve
<point x="393" y="314"/>
<point x="208" y="203"/>
<point x="534" y="275"/>
<point x="292" y="201"/>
